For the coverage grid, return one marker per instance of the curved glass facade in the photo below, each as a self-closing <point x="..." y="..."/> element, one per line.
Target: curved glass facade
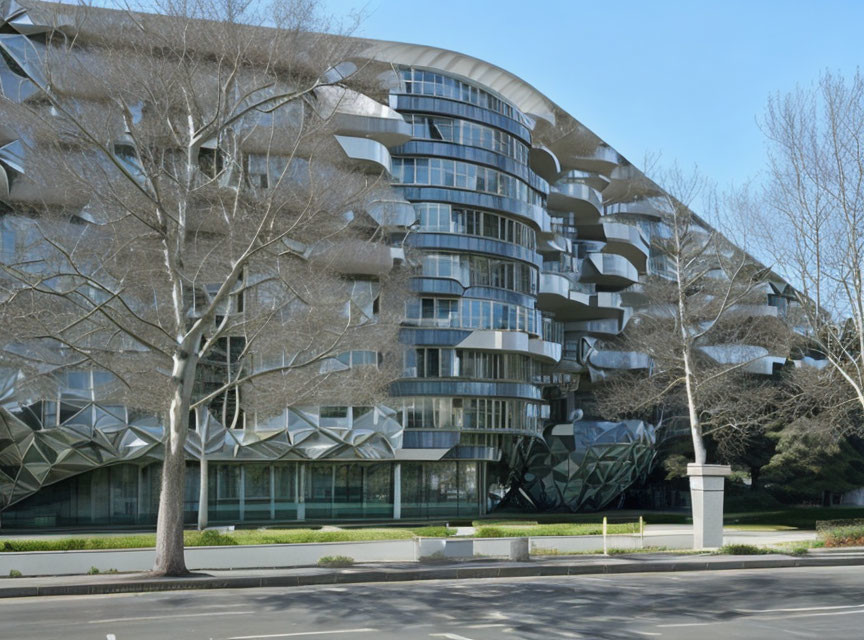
<point x="465" y="132"/>
<point x="479" y="207"/>
<point x="444" y="172"/>
<point x="431" y="83"/>
<point x="434" y="217"/>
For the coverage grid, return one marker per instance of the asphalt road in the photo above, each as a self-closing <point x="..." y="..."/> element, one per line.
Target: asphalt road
<point x="762" y="604"/>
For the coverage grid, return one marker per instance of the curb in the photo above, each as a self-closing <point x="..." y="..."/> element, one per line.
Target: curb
<point x="441" y="573"/>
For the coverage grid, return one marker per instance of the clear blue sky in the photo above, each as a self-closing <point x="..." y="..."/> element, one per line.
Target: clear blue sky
<point x="682" y="78"/>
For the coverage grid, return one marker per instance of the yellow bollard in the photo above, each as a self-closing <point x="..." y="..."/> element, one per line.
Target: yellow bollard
<point x="605" y="549"/>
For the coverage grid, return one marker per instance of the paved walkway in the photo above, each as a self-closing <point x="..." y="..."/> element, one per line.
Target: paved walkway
<point x="400" y="572"/>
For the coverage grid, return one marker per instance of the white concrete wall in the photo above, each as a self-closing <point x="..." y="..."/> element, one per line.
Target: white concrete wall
<point x="36" y="563"/>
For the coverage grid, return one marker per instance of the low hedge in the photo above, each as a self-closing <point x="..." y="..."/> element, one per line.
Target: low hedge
<point x="570" y="529"/>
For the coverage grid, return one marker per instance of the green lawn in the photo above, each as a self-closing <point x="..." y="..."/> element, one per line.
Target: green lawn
<point x="216" y="538"/>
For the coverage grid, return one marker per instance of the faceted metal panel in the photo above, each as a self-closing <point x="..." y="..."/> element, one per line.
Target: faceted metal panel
<point x="33" y="455"/>
<point x="583" y="466"/>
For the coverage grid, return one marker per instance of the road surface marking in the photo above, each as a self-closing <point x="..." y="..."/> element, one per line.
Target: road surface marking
<point x="486" y="626"/>
<point x="178" y="615"/>
<point x="818" y="615"/>
<point x="688" y="624"/>
<point x="451" y="636"/>
<point x="647" y="633"/>
<point x="842" y="606"/>
<point x="304" y="633"/>
<point x="110" y="636"/>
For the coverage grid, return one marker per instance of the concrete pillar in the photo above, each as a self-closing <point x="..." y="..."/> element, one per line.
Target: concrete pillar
<point x="706" y="494"/>
<point x="520" y="549"/>
<point x="301" y="492"/>
<point x="397" y="491"/>
<point x="272" y="492"/>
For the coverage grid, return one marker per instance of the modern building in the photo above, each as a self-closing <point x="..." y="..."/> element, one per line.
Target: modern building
<point x="532" y="235"/>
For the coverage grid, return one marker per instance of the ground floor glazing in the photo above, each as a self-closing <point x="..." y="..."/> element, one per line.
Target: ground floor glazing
<point x="255" y="493"/>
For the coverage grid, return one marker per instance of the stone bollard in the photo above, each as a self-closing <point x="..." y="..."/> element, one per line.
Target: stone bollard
<point x="520" y="549"/>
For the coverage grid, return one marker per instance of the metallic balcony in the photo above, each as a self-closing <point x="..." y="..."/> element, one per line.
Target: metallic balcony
<point x="620" y="360"/>
<point x="593" y="179"/>
<point x="650" y="208"/>
<point x="584" y="202"/>
<point x="392" y="213"/>
<point x="621" y="239"/>
<point x="577" y="154"/>
<point x="557" y="295"/>
<point x="608" y="270"/>
<point x="372" y="155"/>
<point x="601" y="327"/>
<point x="544" y="162"/>
<point x="755" y="359"/>
<point x="512" y="342"/>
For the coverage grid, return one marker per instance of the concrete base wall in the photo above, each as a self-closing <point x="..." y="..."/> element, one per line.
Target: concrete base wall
<point x="40" y="563"/>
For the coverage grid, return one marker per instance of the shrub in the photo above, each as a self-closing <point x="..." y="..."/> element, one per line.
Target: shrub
<point x="574" y="529"/>
<point x="742" y="550"/>
<point x="14" y="573"/>
<point x="335" y="561"/>
<point x="434" y="532"/>
<point x="93" y="571"/>
<point x="208" y="538"/>
<point x="843" y="536"/>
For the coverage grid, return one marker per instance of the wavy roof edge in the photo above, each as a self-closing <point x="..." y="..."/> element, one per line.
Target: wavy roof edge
<point x="522" y="94"/>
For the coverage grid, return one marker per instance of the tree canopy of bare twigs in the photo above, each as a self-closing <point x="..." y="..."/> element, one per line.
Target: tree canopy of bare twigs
<point x="185" y="222"/>
<point x="809" y="218"/>
<point x="706" y="328"/>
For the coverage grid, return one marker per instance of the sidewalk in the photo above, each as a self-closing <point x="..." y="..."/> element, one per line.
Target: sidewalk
<point x="400" y="572"/>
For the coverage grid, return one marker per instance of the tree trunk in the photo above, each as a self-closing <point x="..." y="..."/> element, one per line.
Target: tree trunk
<point x="202" y="420"/>
<point x="754" y="478"/>
<point x="170" y="560"/>
<point x="203" y="493"/>
<point x="700" y="455"/>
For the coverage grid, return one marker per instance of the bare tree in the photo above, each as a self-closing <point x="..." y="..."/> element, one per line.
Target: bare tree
<point x="190" y="228"/>
<point x="706" y="329"/>
<point x="809" y="218"/>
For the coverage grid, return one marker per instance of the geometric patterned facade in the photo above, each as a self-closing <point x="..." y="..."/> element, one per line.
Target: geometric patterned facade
<point x="585" y="465"/>
<point x="94" y="436"/>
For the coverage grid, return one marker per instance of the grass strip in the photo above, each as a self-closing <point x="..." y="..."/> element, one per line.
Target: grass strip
<point x="213" y="538"/>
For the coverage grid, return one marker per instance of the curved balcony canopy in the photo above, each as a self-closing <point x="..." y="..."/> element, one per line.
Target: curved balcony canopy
<point x="578" y="152"/>
<point x="357" y="115"/>
<point x="392" y="213"/>
<point x="584" y="202"/>
<point x="11" y="167"/>
<point x="373" y="155"/>
<point x="593" y="179"/>
<point x="514" y="342"/>
<point x="21" y="68"/>
<point x="622" y="239"/>
<point x="602" y="326"/>
<point x="618" y="360"/>
<point x="755" y="359"/>
<point x="651" y="208"/>
<point x="556" y="295"/>
<point x="608" y="270"/>
<point x="544" y="162"/>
